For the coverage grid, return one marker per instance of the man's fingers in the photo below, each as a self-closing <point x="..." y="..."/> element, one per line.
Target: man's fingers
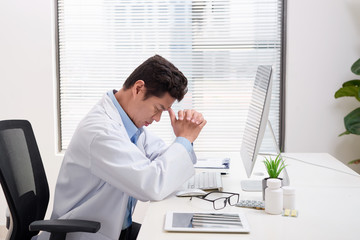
<point x="203" y="123"/>
<point x="181" y="115"/>
<point x="197" y="118"/>
<point x="172" y="115"/>
<point x="189" y="114"/>
<point x="188" y="124"/>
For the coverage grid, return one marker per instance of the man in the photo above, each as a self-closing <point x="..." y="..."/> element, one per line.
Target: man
<point x="112" y="160"/>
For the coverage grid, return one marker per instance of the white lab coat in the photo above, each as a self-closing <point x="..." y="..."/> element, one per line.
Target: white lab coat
<point x="102" y="168"/>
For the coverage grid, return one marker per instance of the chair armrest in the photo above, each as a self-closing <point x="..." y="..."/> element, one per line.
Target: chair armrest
<point x="7" y="213"/>
<point x="65" y="226"/>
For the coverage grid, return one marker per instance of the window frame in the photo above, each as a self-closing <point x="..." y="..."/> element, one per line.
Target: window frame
<point x="282" y="102"/>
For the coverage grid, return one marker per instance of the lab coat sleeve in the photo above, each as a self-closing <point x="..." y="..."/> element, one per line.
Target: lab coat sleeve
<point x="153" y="146"/>
<point x="119" y="162"/>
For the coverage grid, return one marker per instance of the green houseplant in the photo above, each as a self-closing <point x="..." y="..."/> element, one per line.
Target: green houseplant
<point x="273" y="168"/>
<point x="352" y="89"/>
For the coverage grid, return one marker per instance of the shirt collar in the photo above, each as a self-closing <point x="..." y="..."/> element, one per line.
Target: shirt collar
<point x="130" y="127"/>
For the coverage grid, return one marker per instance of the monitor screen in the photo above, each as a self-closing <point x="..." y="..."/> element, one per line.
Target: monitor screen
<point x="257" y="117"/>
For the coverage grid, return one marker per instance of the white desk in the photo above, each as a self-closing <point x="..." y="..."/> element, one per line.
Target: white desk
<point x="328" y="203"/>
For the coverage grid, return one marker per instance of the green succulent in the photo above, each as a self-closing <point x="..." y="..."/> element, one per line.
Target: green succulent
<point x="274" y="166"/>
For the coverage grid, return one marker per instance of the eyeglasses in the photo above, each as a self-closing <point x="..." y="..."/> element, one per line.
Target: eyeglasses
<point x="219" y="200"/>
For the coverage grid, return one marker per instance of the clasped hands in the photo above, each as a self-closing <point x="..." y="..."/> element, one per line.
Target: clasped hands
<point x="188" y="124"/>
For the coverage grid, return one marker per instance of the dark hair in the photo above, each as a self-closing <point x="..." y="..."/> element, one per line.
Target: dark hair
<point x="160" y="76"/>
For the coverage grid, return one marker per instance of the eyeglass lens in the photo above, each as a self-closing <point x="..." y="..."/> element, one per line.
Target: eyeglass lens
<point x="234" y="199"/>
<point x="221" y="202"/>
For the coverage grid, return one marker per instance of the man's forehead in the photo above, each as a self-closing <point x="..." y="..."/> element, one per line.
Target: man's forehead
<point x="166" y="101"/>
<point x="165" y="107"/>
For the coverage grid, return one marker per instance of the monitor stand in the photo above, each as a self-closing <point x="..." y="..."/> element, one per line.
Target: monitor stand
<point x="255" y="185"/>
<point x="251" y="185"/>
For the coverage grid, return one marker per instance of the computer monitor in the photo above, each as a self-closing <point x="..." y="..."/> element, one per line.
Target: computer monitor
<point x="256" y="124"/>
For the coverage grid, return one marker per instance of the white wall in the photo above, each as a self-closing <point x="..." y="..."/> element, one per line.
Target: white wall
<point x="323" y="41"/>
<point x="27" y="82"/>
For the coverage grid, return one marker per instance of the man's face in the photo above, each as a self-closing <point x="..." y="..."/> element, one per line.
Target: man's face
<point x="149" y="110"/>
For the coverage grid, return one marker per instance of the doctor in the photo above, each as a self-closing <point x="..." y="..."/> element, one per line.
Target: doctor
<point x="113" y="160"/>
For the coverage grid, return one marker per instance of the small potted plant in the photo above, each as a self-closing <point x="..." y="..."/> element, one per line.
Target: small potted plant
<point x="274" y="168"/>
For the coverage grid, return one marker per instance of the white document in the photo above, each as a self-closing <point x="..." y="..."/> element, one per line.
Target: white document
<point x="213" y="163"/>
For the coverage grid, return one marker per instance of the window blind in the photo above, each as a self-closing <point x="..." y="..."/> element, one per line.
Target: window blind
<point x="217" y="44"/>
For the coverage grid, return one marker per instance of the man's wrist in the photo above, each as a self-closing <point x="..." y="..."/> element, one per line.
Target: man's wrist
<point x="188" y="146"/>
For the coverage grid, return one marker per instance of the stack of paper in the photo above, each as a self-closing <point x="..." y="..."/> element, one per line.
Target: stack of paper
<point x="218" y="164"/>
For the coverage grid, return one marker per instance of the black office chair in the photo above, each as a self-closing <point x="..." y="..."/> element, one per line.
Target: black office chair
<point x="25" y="186"/>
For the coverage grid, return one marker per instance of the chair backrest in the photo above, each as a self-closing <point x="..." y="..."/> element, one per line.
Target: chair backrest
<point x="22" y="177"/>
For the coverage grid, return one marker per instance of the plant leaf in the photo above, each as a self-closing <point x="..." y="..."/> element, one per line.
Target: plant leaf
<point x="344" y="133"/>
<point x="274" y="167"/>
<point x="352" y="122"/>
<point x="355" y="68"/>
<point x="356" y="161"/>
<point x="354" y="82"/>
<point x="348" y="91"/>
